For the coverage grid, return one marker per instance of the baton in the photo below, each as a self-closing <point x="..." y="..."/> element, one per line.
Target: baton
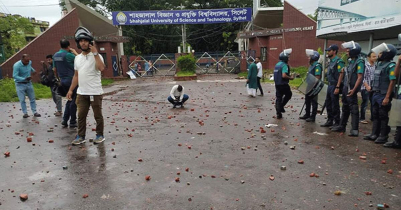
<point x="323" y="107"/>
<point x="302" y="108"/>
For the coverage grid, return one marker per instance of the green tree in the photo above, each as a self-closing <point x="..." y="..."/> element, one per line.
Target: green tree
<point x="314" y="16"/>
<point x="13" y="29"/>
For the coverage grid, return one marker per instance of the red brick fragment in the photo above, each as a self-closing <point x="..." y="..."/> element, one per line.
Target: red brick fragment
<point x="7" y="154"/>
<point x="30" y="134"/>
<point x="23" y="197"/>
<point x="192" y="110"/>
<point x="187" y="169"/>
<point x="301" y="162"/>
<point x="51" y="141"/>
<point x="29" y="139"/>
<point x="312" y="175"/>
<point x="85" y="196"/>
<point x="383" y="161"/>
<point x="368" y="193"/>
<point x="147" y="178"/>
<point x="189" y="147"/>
<point x="140" y="160"/>
<point x="177" y="179"/>
<point x="390" y="171"/>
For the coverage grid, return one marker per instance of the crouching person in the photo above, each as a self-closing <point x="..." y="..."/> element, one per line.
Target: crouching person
<point x="177" y="96"/>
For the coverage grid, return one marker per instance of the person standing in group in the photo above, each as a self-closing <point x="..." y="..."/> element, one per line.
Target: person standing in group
<point x="366" y="89"/>
<point x="383" y="84"/>
<point x="260" y="74"/>
<point x="88" y="67"/>
<point x="335" y="79"/>
<point x="64" y="69"/>
<point x="49" y="73"/>
<point x="282" y="77"/>
<point x="397" y="137"/>
<point x="252" y="80"/>
<point x="22" y="70"/>
<point x="352" y="85"/>
<point x="315" y="69"/>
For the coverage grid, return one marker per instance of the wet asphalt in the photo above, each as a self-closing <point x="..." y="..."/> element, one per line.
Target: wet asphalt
<point x="215" y="146"/>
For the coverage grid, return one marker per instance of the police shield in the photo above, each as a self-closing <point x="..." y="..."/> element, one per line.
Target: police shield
<point x="312" y="87"/>
<point x="395" y="113"/>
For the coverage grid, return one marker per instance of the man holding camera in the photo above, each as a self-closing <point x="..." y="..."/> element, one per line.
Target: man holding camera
<point x="22" y="77"/>
<point x="177" y="96"/>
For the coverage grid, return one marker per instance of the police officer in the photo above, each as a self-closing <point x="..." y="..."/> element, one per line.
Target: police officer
<point x="281" y="80"/>
<point x="352" y="85"/>
<point x="335" y="80"/>
<point x="397" y="138"/>
<point x="383" y="86"/>
<point x="315" y="69"/>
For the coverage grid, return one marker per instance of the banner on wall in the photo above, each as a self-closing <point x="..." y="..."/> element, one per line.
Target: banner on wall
<point x="182" y="16"/>
<point x="348" y="16"/>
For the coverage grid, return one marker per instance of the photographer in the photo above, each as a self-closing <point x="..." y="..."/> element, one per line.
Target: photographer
<point x="22" y="77"/>
<point x="48" y="79"/>
<point x="63" y="62"/>
<point x="177" y="96"/>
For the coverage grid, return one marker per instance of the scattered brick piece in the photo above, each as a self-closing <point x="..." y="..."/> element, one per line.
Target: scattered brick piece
<point x="301" y="162"/>
<point x="7" y="154"/>
<point x="187" y="169"/>
<point x="147" y="178"/>
<point x="177" y="179"/>
<point x="337" y="192"/>
<point x="189" y="147"/>
<point x="23" y="197"/>
<point x="85" y="196"/>
<point x="383" y="161"/>
<point x="362" y="157"/>
<point x="29" y="139"/>
<point x="312" y="175"/>
<point x="390" y="171"/>
<point x="51" y="141"/>
<point x="140" y="160"/>
<point x="368" y="193"/>
<point x="271" y="177"/>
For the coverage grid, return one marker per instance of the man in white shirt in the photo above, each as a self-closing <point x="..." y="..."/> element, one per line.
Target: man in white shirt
<point x="260" y="74"/>
<point x="88" y="67"/>
<point x="177" y="96"/>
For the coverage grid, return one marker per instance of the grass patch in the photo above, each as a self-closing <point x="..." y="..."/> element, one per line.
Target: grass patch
<point x="185" y="73"/>
<point x="243" y="74"/>
<point x="8" y="92"/>
<point x="106" y="82"/>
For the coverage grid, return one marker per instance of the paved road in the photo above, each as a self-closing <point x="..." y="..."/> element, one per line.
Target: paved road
<point x="219" y="123"/>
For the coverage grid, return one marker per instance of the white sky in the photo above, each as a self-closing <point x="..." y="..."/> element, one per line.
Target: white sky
<point x="48" y="10"/>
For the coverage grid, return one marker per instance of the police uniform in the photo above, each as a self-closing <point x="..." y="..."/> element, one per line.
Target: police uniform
<point x="383" y="74"/>
<point x="332" y="100"/>
<point x="350" y="104"/>
<point x="315" y="69"/>
<point x="283" y="90"/>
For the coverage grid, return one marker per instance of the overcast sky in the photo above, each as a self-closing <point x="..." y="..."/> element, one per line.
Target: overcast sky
<point x="48" y="10"/>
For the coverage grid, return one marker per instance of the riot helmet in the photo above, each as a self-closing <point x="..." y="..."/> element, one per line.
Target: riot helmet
<point x="82" y="33"/>
<point x="312" y="55"/>
<point x="285" y="55"/>
<point x="353" y="47"/>
<point x="388" y="51"/>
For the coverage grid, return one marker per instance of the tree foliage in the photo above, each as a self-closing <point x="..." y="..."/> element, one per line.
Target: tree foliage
<point x="13" y="30"/>
<point x="148" y="39"/>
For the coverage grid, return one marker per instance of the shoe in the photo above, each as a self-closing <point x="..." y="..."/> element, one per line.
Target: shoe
<point x="338" y="128"/>
<point x="261" y="95"/>
<point x="381" y="140"/>
<point x="304" y="117"/>
<point x="99" y="139"/>
<point x="310" y="119"/>
<point x="354" y="133"/>
<point x="25" y="116"/>
<point x="282" y="110"/>
<point x="73" y="125"/>
<point x="279" y="116"/>
<point x="335" y="125"/>
<point x="363" y="121"/>
<point x="37" y="115"/>
<point x="58" y="114"/>
<point x="370" y="137"/>
<point x="175" y="106"/>
<point x="79" y="140"/>
<point x="392" y="145"/>
<point x="64" y="124"/>
<point x="329" y="123"/>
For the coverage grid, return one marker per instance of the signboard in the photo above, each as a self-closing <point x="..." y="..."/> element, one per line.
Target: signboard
<point x="348" y="16"/>
<point x="182" y="16"/>
<point x="269" y="32"/>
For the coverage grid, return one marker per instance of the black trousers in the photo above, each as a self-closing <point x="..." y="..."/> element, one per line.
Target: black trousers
<point x="350" y="107"/>
<point x="311" y="102"/>
<point x="259" y="86"/>
<point x="333" y="104"/>
<point x="380" y="115"/>
<point x="283" y="95"/>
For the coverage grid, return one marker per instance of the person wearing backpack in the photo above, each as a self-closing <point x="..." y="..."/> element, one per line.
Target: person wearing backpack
<point x="48" y="79"/>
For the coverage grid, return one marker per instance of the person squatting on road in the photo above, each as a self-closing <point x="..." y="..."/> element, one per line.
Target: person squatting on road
<point x="352" y="84"/>
<point x="177" y="96"/>
<point x="383" y="85"/>
<point x="252" y="80"/>
<point x="64" y="69"/>
<point x="48" y="78"/>
<point x="22" y="70"/>
<point x="282" y="77"/>
<point x="315" y="69"/>
<point x="88" y="67"/>
<point x="335" y="85"/>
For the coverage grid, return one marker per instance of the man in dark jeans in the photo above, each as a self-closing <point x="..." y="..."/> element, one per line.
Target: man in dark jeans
<point x="64" y="69"/>
<point x="260" y="74"/>
<point x="366" y="89"/>
<point x="48" y="68"/>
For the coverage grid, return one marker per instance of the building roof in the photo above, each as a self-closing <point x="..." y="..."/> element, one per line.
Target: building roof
<point x="268" y="17"/>
<point x="91" y="19"/>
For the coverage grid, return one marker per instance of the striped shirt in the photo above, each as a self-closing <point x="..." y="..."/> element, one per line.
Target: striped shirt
<point x="369" y="74"/>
